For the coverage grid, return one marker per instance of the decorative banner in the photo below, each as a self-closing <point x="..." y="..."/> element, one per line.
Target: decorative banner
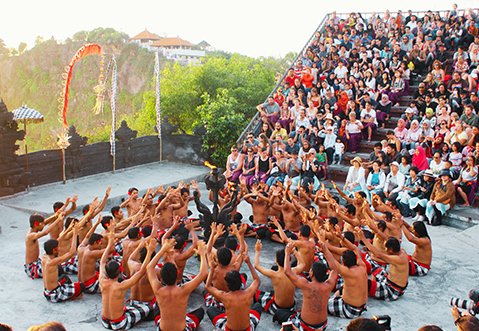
<point x="158" y="90"/>
<point x="85" y="50"/>
<point x="114" y="91"/>
<point x="100" y="89"/>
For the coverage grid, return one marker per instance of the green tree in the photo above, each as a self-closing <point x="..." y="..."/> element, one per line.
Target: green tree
<point x="223" y="124"/>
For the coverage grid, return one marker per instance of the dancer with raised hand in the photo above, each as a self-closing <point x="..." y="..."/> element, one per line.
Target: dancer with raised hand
<point x="282" y="296"/>
<point x="314" y="310"/>
<point x="236" y="300"/>
<point x="115" y="315"/>
<point x="350" y="301"/>
<point x="388" y="286"/>
<point x="33" y="263"/>
<point x="89" y="251"/>
<point x="172" y="299"/>
<point x="420" y="260"/>
<point x="59" y="289"/>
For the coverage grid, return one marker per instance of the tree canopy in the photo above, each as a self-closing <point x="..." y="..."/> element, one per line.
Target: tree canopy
<point x="220" y="94"/>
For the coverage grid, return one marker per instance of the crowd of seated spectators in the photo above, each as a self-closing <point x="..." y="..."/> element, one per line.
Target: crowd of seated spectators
<point x="344" y="87"/>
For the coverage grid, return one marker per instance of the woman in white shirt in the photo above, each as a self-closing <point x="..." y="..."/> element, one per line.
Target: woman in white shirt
<point x="413" y="135"/>
<point x="355" y="181"/>
<point x="368" y="119"/>
<point x="375" y="181"/>
<point x="436" y="165"/>
<point x="341" y="71"/>
<point x="353" y="133"/>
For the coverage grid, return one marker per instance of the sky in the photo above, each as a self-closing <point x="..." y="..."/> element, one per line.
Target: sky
<point x="250" y="27"/>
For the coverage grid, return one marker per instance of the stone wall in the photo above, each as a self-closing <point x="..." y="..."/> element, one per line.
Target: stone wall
<point x="83" y="159"/>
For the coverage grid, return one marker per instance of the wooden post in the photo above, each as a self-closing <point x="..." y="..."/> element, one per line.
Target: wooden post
<point x="26" y="146"/>
<point x="64" y="175"/>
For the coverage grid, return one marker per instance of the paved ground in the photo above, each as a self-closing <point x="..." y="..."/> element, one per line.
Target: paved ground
<point x="454" y="272"/>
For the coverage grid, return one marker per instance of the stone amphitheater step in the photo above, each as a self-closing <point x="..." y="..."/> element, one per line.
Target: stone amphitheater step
<point x="398" y="110"/>
<point x="347" y="157"/>
<point x="367" y="146"/>
<point x="338" y="172"/>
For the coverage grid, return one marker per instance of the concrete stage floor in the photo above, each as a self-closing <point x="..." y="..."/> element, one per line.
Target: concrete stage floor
<point x="454" y="270"/>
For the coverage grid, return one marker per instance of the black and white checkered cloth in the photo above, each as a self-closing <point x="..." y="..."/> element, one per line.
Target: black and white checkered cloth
<point x="28" y="114"/>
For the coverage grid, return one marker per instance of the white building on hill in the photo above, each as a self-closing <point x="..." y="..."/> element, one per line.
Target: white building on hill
<point x="176" y="49"/>
<point x="180" y="50"/>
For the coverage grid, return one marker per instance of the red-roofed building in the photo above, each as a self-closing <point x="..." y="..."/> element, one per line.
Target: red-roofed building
<point x="173" y="48"/>
<point x="145" y="38"/>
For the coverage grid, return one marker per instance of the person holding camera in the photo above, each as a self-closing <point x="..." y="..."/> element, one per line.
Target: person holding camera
<point x="464" y="322"/>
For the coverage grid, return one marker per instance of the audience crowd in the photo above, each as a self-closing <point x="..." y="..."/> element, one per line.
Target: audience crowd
<point x="347" y="87"/>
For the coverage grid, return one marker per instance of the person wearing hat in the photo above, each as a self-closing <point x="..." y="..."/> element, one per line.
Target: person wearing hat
<point x="424" y="189"/>
<point x="329" y="142"/>
<point x="355" y="181"/>
<point x="443" y="198"/>
<point x="394" y="183"/>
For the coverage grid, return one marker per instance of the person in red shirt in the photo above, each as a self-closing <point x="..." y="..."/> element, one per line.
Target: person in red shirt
<point x="279" y="97"/>
<point x="307" y="80"/>
<point x="290" y="77"/>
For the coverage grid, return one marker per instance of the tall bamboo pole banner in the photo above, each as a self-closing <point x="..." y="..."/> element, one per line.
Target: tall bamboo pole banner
<point x="114" y="91"/>
<point x="157" y="104"/>
<point x="63" y="137"/>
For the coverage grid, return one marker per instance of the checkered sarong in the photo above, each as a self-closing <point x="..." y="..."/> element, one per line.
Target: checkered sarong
<point x="266" y="300"/>
<point x="372" y="265"/>
<point x="383" y="289"/>
<point x="186" y="279"/>
<point x="220" y="321"/>
<point x="319" y="257"/>
<point x="65" y="290"/>
<point x="303" y="326"/>
<point x="211" y="301"/>
<point x="417" y="269"/>
<point x="192" y="322"/>
<point x="70" y="267"/>
<point x="339" y="283"/>
<point x="92" y="285"/>
<point x="34" y="269"/>
<point x="119" y="247"/>
<point x="337" y="307"/>
<point x="134" y="312"/>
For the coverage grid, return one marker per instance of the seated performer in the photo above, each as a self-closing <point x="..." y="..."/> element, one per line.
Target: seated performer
<point x="33" y="263"/>
<point x="89" y="252"/>
<point x="386" y="286"/>
<point x="350" y="301"/>
<point x="172" y="299"/>
<point x="420" y="260"/>
<point x="115" y="315"/>
<point x="236" y="300"/>
<point x="63" y="289"/>
<point x="282" y="296"/>
<point x="314" y="310"/>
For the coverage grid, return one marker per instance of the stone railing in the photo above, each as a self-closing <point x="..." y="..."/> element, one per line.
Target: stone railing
<point x="84" y="159"/>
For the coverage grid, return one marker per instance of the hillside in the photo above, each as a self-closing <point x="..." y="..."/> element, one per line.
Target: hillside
<point x="35" y="76"/>
<point x="220" y="95"/>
